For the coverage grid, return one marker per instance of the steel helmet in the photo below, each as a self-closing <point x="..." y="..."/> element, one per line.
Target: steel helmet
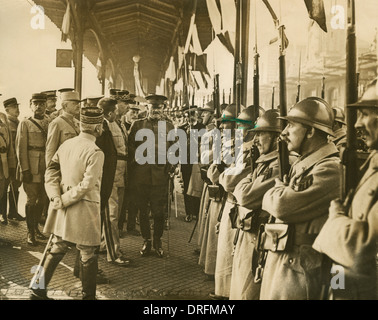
<point x="314" y="112"/>
<point x="269" y="121"/>
<point x="339" y="115"/>
<point x="247" y="115"/>
<point x="229" y="113"/>
<point x="370" y="97"/>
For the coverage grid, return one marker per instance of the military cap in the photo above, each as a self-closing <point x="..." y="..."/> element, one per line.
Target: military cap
<point x="70" y="96"/>
<point x="92" y="101"/>
<point x="66" y="90"/>
<point x="156" y="99"/>
<point x="123" y="95"/>
<point x="50" y="93"/>
<point x="113" y="93"/>
<point x="10" y="102"/>
<point x="39" y="97"/>
<point x="91" y="115"/>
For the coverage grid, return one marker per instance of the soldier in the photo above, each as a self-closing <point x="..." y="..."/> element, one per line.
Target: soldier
<point x="12" y="110"/>
<point x="50" y="105"/>
<point x="151" y="180"/>
<point x="228" y="179"/>
<point x="73" y="180"/>
<point x="299" y="204"/>
<point x="115" y="201"/>
<point x="131" y="115"/>
<point x="338" y="128"/>
<point x="209" y="246"/>
<point x="349" y="236"/>
<point x="30" y="147"/>
<point x="7" y="164"/>
<point x="249" y="193"/>
<point x="65" y="126"/>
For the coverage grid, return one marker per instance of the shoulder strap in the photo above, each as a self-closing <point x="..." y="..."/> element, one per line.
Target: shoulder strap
<point x="39" y="127"/>
<point x="70" y="123"/>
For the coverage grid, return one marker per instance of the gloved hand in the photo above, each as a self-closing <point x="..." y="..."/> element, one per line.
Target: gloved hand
<point x="27" y="176"/>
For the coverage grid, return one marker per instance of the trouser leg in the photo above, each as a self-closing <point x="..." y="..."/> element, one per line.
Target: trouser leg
<point x="3" y="206"/>
<point x="88" y="271"/>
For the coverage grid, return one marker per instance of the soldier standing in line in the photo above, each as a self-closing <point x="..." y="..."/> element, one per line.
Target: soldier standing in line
<point x="151" y="180"/>
<point x="30" y="147"/>
<point x="73" y="180"/>
<point x="299" y="204"/>
<point x="339" y="129"/>
<point x="7" y="164"/>
<point x="12" y="110"/>
<point x="249" y="193"/>
<point x="350" y="235"/>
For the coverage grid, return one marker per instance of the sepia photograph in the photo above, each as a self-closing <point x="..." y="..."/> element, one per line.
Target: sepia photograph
<point x="198" y="151"/>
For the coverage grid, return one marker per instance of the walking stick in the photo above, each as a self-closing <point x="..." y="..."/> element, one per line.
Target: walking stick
<point x="39" y="272"/>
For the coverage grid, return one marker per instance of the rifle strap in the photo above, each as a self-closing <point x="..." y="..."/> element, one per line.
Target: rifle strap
<point x="224" y="199"/>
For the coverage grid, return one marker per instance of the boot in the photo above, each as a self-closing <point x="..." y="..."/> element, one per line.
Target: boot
<point x="3" y="209"/>
<point x="158" y="248"/>
<point x="30" y="225"/>
<point x="49" y="266"/>
<point x="88" y="278"/>
<point x="76" y="270"/>
<point x="146" y="249"/>
<point x="37" y="211"/>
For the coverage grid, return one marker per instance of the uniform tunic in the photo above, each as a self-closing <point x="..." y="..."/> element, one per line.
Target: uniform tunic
<point x="75" y="174"/>
<point x="351" y="240"/>
<point x="229" y="179"/>
<point x="61" y="129"/>
<point x="249" y="193"/>
<point x="294" y="274"/>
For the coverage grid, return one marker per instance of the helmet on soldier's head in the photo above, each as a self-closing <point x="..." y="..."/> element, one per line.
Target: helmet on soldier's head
<point x="339" y="115"/>
<point x="269" y="121"/>
<point x="229" y="113"/>
<point x="314" y="112"/>
<point x="370" y="97"/>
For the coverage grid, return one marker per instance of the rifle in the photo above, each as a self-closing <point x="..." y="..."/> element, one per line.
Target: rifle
<point x="323" y="88"/>
<point x="283" y="158"/>
<point x="299" y="80"/>
<point x="273" y="98"/>
<point x="216" y="97"/>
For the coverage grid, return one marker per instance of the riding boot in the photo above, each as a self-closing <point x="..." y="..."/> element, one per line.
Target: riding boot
<point x="3" y="209"/>
<point x="88" y="278"/>
<point x="77" y="269"/>
<point x="37" y="209"/>
<point x="49" y="266"/>
<point x="29" y="213"/>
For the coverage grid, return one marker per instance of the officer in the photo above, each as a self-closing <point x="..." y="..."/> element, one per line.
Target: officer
<point x="50" y="104"/>
<point x="249" y="193"/>
<point x="151" y="180"/>
<point x="7" y="164"/>
<point x="299" y="204"/>
<point x="12" y="110"/>
<point x="131" y="115"/>
<point x="349" y="236"/>
<point x="339" y="129"/>
<point x="65" y="126"/>
<point x="30" y="147"/>
<point x="73" y="180"/>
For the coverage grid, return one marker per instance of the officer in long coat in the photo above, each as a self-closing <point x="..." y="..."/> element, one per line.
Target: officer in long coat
<point x="73" y="181"/>
<point x="249" y="193"/>
<point x="11" y="107"/>
<point x="151" y="179"/>
<point x="30" y="147"/>
<point x="349" y="236"/>
<point x="300" y="206"/>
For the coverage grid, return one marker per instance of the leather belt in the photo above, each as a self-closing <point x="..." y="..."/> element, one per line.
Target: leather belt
<point x="36" y="148"/>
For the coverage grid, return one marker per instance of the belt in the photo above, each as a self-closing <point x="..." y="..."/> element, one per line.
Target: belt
<point x="120" y="157"/>
<point x="36" y="148"/>
<point x="231" y="198"/>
